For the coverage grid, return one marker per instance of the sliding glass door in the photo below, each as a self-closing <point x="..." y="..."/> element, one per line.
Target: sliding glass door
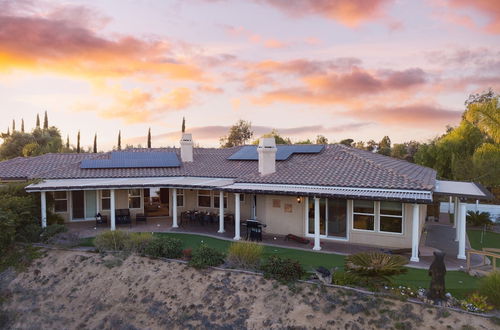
<point x="332" y="217"/>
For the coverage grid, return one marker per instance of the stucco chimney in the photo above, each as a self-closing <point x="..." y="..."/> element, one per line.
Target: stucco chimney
<point x="187" y="147"/>
<point x="267" y="156"/>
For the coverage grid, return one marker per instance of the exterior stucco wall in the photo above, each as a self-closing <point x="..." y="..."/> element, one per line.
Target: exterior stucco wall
<point x="277" y="220"/>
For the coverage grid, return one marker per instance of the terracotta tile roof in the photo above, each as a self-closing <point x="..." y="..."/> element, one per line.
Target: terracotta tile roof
<point x="336" y="165"/>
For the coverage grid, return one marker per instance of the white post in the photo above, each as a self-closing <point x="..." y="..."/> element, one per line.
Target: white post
<point x="415" y="234"/>
<point x="317" y="245"/>
<point x="477" y="205"/>
<point x="455" y="212"/>
<point x="221" y="212"/>
<point x="462" y="225"/>
<point x="457" y="219"/>
<point x="112" y="208"/>
<point x="174" y="208"/>
<point x="43" y="201"/>
<point x="449" y="204"/>
<point x="237" y="236"/>
<point x="97" y="208"/>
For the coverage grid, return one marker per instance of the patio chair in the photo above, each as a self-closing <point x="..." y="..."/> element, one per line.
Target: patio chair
<point x="122" y="217"/>
<point x="100" y="219"/>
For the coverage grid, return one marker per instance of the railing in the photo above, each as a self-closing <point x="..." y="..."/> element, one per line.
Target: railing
<point x="487" y="252"/>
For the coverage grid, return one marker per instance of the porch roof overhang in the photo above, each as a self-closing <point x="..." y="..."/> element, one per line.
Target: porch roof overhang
<point x="128" y="183"/>
<point x="461" y="190"/>
<point x="411" y="196"/>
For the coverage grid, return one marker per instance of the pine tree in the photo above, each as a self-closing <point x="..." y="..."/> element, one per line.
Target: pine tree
<point x="67" y="142"/>
<point x="8" y="131"/>
<point x="183" y="125"/>
<point x="46" y="121"/>
<point x="119" y="140"/>
<point x="149" y="138"/>
<point x="13" y="125"/>
<point x="37" y="121"/>
<point x="78" y="142"/>
<point x="22" y="125"/>
<point x="95" y="143"/>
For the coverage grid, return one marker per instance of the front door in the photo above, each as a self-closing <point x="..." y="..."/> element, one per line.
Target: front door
<point x="78" y="204"/>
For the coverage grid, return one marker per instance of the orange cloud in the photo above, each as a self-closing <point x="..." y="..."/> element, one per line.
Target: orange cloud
<point x="348" y="12"/>
<point x="489" y="8"/>
<point x="59" y="42"/>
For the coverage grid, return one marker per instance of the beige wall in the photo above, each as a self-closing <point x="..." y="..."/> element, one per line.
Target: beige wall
<point x="277" y="220"/>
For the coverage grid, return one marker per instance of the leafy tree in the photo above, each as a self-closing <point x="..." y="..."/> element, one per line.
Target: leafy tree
<point x="277" y="137"/>
<point x="486" y="164"/>
<point x="78" y="142"/>
<point x="22" y="125"/>
<point x="95" y="143"/>
<point x="238" y="135"/>
<point x="119" y="147"/>
<point x="359" y="145"/>
<point x="384" y="147"/>
<point x="37" y="121"/>
<point x="398" y="150"/>
<point x="347" y="142"/>
<point x="36" y="143"/>
<point x="46" y="121"/>
<point x="304" y="142"/>
<point x="67" y="141"/>
<point x="371" y="145"/>
<point x="483" y="111"/>
<point x="149" y="138"/>
<point x="183" y="128"/>
<point x="321" y="139"/>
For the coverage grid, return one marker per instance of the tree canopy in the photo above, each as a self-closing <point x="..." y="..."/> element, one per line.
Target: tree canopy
<point x="238" y="134"/>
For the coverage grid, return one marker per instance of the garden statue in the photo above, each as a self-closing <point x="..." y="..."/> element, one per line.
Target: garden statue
<point x="437" y="271"/>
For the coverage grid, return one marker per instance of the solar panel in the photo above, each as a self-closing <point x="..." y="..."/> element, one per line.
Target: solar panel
<point x="127" y="159"/>
<point x="283" y="153"/>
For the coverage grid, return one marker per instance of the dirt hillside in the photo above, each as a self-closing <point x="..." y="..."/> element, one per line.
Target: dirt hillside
<point x="78" y="290"/>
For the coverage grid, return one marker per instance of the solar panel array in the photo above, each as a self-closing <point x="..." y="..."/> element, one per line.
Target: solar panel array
<point x="283" y="153"/>
<point x="127" y="159"/>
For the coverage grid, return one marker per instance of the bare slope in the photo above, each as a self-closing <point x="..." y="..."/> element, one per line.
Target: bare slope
<point x="71" y="290"/>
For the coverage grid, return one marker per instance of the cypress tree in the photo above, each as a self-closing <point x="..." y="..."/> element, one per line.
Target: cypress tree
<point x="183" y="125"/>
<point x="22" y="125"/>
<point x="95" y="143"/>
<point x="46" y="121"/>
<point x="119" y="140"/>
<point x="149" y="138"/>
<point x="8" y="131"/>
<point x="13" y="125"/>
<point x="37" y="121"/>
<point x="78" y="142"/>
<point x="67" y="141"/>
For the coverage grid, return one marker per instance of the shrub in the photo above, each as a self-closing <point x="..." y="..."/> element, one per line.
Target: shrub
<point x="164" y="247"/>
<point x="374" y="267"/>
<point x="115" y="240"/>
<point x="476" y="218"/>
<point x="345" y="279"/>
<point x="245" y="255"/>
<point x="283" y="270"/>
<point x="138" y="242"/>
<point x="476" y="303"/>
<point x="50" y="231"/>
<point x="489" y="286"/>
<point x="205" y="256"/>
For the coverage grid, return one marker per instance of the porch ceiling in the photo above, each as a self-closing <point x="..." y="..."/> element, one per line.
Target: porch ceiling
<point x="461" y="189"/>
<point x="126" y="183"/>
<point x="412" y="196"/>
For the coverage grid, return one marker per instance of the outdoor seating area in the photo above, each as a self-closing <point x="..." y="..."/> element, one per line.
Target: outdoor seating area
<point x="203" y="218"/>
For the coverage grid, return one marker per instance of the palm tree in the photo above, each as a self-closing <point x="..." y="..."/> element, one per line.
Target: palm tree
<point x="485" y="114"/>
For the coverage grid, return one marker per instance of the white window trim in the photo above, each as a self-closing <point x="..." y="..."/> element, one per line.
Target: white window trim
<point x="376" y="225"/>
<point x="374" y="214"/>
<point x="135" y="196"/>
<point x="211" y="200"/>
<point x="61" y="199"/>
<point x="325" y="236"/>
<point x="180" y="192"/>
<point x="402" y="217"/>
<point x="104" y="197"/>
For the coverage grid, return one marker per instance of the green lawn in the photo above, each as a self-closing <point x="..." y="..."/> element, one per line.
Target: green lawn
<point x="490" y="239"/>
<point x="458" y="283"/>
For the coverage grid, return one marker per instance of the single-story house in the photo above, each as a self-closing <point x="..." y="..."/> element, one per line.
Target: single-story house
<point x="325" y="192"/>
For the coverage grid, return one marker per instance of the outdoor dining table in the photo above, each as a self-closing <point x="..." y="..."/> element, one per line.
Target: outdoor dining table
<point x="254" y="229"/>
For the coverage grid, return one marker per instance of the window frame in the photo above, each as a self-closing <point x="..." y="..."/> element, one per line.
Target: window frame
<point x="374" y="214"/>
<point x="402" y="217"/>
<point x="130" y="197"/>
<point x="108" y="198"/>
<point x="180" y="193"/>
<point x="60" y="199"/>
<point x="226" y="200"/>
<point x="204" y="195"/>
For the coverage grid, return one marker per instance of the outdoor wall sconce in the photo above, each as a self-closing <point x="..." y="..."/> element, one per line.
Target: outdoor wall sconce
<point x="299" y="199"/>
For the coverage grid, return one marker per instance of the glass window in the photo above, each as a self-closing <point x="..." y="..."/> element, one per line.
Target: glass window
<point x="204" y="198"/>
<point x="180" y="197"/>
<point x="337" y="217"/>
<point x="391" y="217"/>
<point x="242" y="198"/>
<point x="216" y="200"/>
<point x="322" y="216"/>
<point x="363" y="215"/>
<point x="60" y="201"/>
<point x="105" y="199"/>
<point x="134" y="198"/>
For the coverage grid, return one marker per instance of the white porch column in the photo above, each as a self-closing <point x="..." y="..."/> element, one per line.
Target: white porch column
<point x="454" y="211"/>
<point x="221" y="211"/>
<point x="456" y="225"/>
<point x="317" y="245"/>
<point x="415" y="233"/>
<point x="112" y="208"/>
<point x="43" y="201"/>
<point x="237" y="236"/>
<point x="449" y="204"/>
<point x="462" y="234"/>
<point x="174" y="208"/>
<point x="97" y="202"/>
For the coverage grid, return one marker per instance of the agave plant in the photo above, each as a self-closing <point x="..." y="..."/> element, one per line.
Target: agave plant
<point x="375" y="267"/>
<point x="476" y="218"/>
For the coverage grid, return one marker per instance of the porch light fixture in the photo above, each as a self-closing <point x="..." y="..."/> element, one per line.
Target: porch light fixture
<point x="299" y="199"/>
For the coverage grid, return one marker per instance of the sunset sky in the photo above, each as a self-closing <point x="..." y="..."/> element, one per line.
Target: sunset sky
<point x="356" y="69"/>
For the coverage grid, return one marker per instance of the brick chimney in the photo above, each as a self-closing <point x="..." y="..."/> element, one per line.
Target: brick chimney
<point x="267" y="155"/>
<point x="187" y="147"/>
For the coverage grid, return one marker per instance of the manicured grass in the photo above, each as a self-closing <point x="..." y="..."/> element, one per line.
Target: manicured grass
<point x="490" y="239"/>
<point x="458" y="284"/>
